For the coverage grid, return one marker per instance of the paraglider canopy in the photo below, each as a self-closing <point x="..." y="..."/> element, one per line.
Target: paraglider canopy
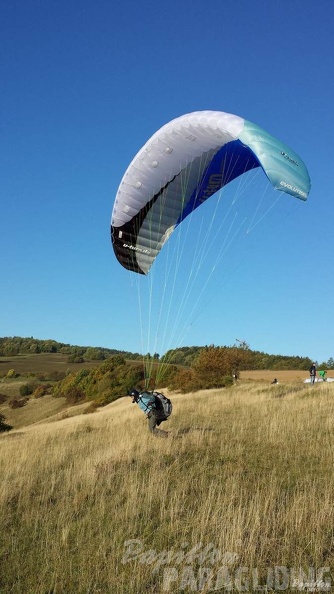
<point x="181" y="166"/>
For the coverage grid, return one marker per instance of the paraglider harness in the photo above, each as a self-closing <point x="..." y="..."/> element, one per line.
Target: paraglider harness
<point x="161" y="405"/>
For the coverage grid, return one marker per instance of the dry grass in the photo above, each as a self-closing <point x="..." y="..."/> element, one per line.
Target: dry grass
<point x="246" y="470"/>
<point x="40" y="410"/>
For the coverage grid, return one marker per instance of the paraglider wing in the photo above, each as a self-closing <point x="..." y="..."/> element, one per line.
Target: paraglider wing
<point x="182" y="165"/>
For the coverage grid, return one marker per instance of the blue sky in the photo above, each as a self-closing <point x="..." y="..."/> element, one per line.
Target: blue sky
<point x="84" y="84"/>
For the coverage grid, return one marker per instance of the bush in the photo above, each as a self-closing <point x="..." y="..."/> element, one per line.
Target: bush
<point x="41" y="390"/>
<point x="227" y="381"/>
<point x="215" y="366"/>
<point x="75" y="395"/>
<point x="75" y="359"/>
<point x="56" y="376"/>
<point x="3" y="425"/>
<point x="17" y="403"/>
<point x="27" y="389"/>
<point x="184" y="381"/>
<point x="94" y="354"/>
<point x="41" y="376"/>
<point x="103" y="384"/>
<point x="3" y="398"/>
<point x="11" y="373"/>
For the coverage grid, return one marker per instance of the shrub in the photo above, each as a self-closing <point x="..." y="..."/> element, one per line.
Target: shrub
<point x="41" y="390"/>
<point x="94" y="354"/>
<point x="104" y="383"/>
<point x="27" y="389"/>
<point x="75" y="359"/>
<point x="3" y="425"/>
<point x="41" y="376"/>
<point x="56" y="376"/>
<point x="75" y="395"/>
<point x="215" y="366"/>
<point x="11" y="373"/>
<point x="184" y="381"/>
<point x="18" y="403"/>
<point x="112" y="363"/>
<point x="3" y="398"/>
<point x="91" y="408"/>
<point x="227" y="381"/>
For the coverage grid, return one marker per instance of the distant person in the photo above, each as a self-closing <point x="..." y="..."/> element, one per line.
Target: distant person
<point x="148" y="404"/>
<point x="313" y="373"/>
<point x="322" y="374"/>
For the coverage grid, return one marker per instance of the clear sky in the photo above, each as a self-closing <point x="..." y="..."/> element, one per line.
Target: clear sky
<point x="84" y="84"/>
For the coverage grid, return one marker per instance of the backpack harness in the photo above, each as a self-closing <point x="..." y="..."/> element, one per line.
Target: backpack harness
<point x="162" y="405"/>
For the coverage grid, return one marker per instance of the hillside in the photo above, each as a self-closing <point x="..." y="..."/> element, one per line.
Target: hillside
<point x="29" y="367"/>
<point x="36" y="410"/>
<point x="42" y="363"/>
<point x="58" y="362"/>
<point x="243" y="485"/>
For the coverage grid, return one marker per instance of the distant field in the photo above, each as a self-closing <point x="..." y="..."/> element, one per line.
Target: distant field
<point x="41" y="363"/>
<point x="48" y="362"/>
<point x="293" y="375"/>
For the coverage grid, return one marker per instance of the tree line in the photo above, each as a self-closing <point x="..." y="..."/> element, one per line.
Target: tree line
<point x="247" y="359"/>
<point x="185" y="356"/>
<point x="16" y="345"/>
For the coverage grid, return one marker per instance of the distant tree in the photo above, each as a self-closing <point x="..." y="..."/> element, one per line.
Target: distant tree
<point x="184" y="380"/>
<point x="215" y="366"/>
<point x="50" y="346"/>
<point x="94" y="354"/>
<point x="188" y="360"/>
<point x="35" y="348"/>
<point x="211" y="367"/>
<point x="177" y="357"/>
<point x="65" y="350"/>
<point x="11" y="349"/>
<point x="75" y="358"/>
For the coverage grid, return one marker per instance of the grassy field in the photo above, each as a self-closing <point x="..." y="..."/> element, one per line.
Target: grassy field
<point x="41" y="363"/>
<point x="286" y="375"/>
<point x="240" y="495"/>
